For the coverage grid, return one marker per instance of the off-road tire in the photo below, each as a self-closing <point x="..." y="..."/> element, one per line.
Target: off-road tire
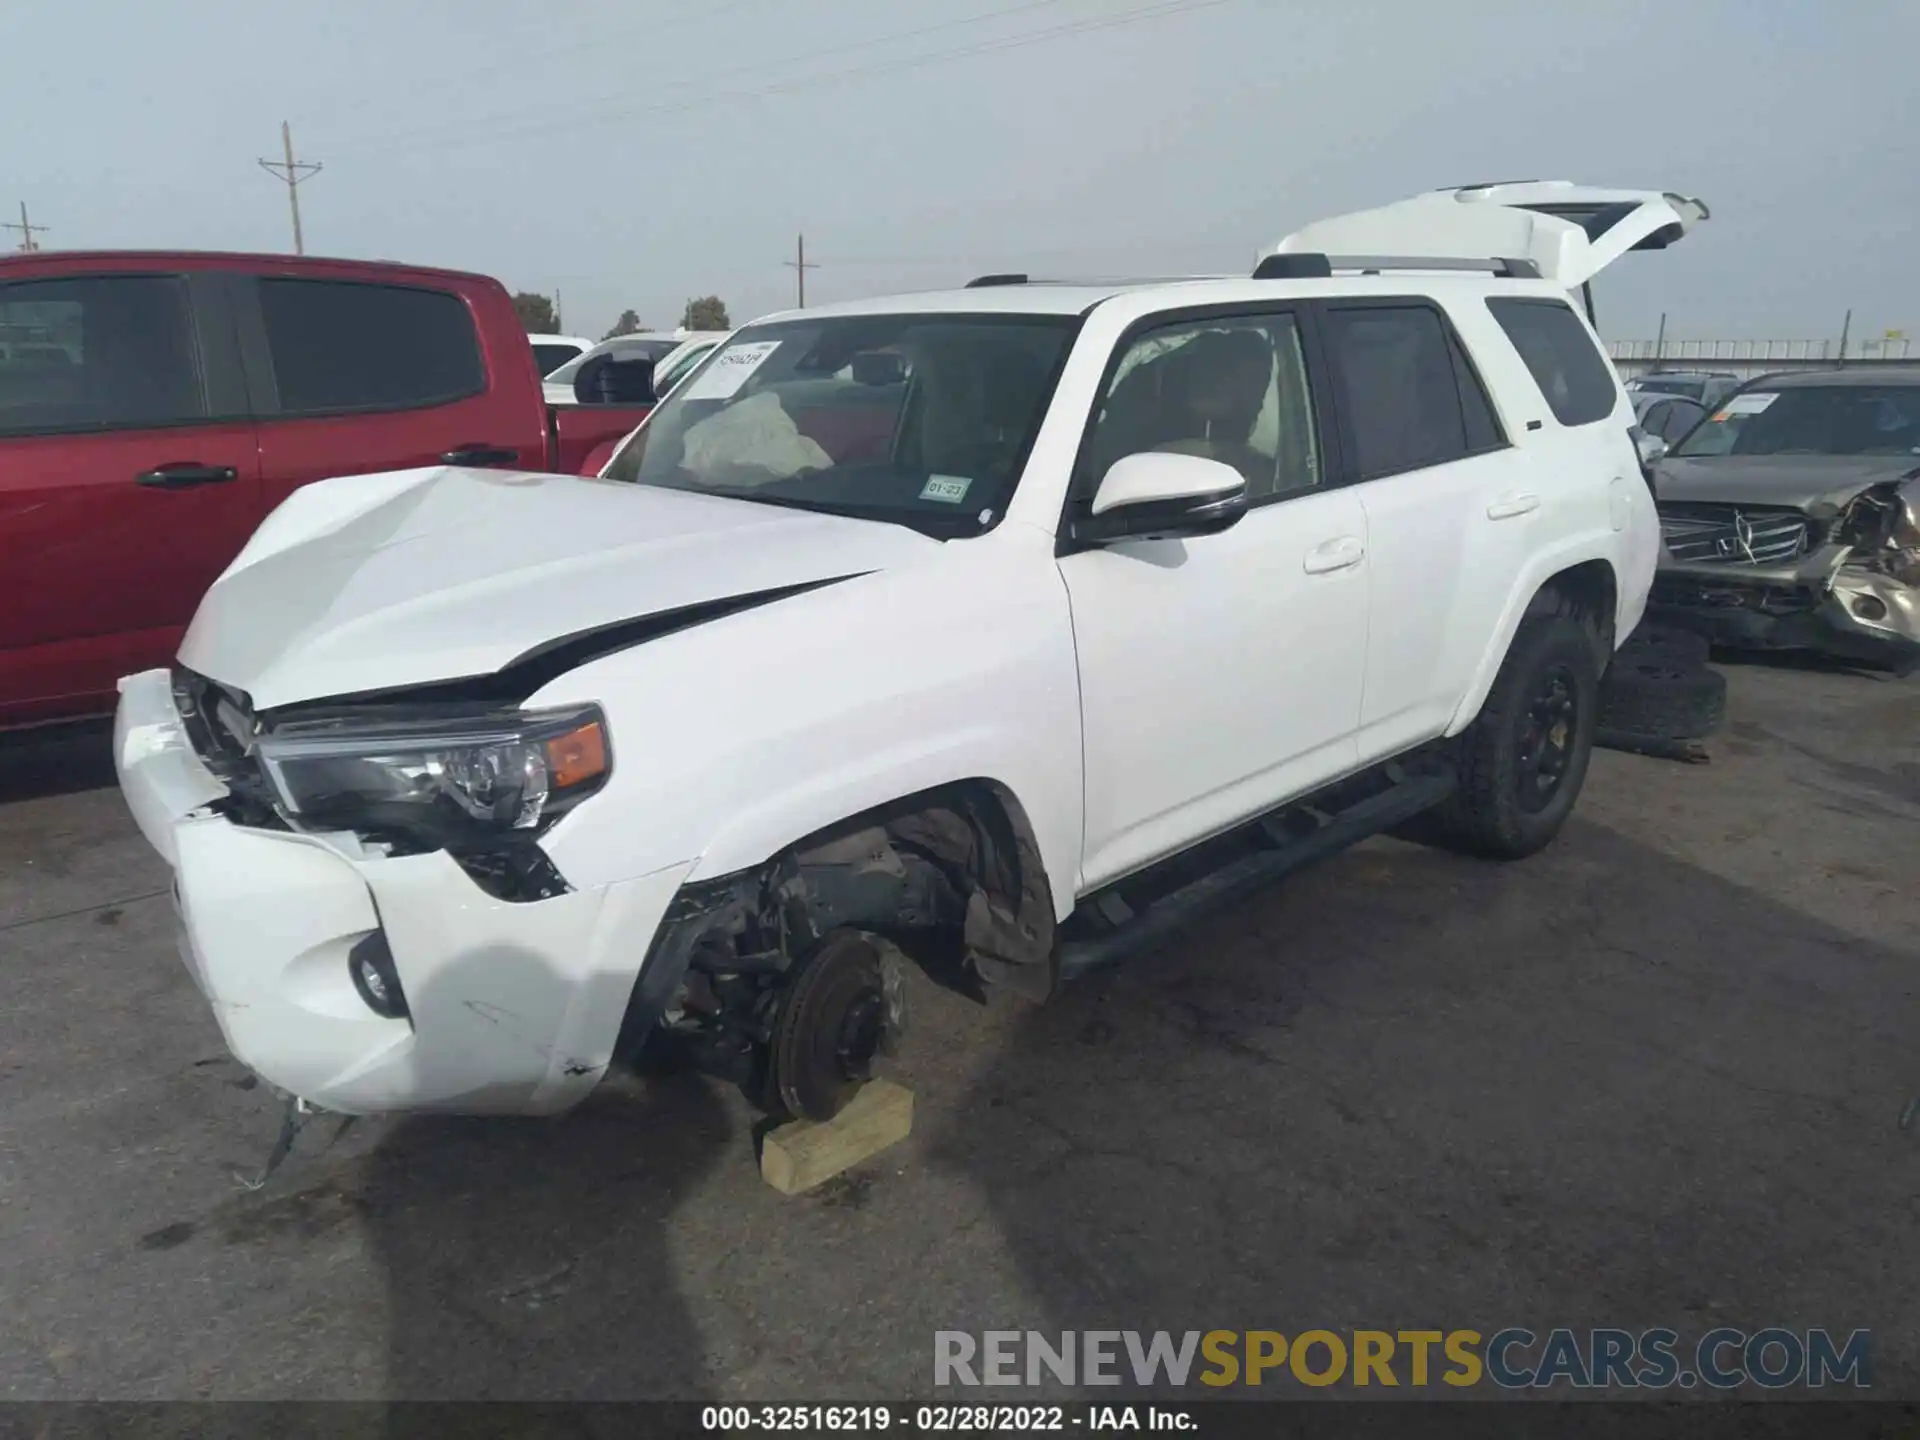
<point x="1484" y="816"/>
<point x="1661" y="699"/>
<point x="1673" y="644"/>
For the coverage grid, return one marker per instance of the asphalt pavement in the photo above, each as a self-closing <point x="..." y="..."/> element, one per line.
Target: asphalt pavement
<point x="1651" y="1077"/>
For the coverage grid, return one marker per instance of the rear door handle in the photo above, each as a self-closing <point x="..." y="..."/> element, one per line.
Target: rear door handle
<point x="479" y="455"/>
<point x="1341" y="554"/>
<point x="185" y="475"/>
<point x="1508" y="506"/>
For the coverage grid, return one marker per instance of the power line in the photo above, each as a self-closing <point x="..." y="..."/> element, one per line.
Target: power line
<point x="787" y="62"/>
<point x="1012" y="42"/>
<point x="26" y="228"/>
<point x="522" y="62"/>
<point x="292" y="172"/>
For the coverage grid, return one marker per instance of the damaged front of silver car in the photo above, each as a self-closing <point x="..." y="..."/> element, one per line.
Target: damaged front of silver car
<point x="1791" y="518"/>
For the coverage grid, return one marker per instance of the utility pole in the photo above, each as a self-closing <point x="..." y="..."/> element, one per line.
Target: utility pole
<point x="26" y="228"/>
<point x="1845" y="326"/>
<point x="559" y="324"/>
<point x="799" y="266"/>
<point x="292" y="172"/>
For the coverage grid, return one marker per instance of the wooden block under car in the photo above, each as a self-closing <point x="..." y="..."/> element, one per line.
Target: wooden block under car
<point x="801" y="1154"/>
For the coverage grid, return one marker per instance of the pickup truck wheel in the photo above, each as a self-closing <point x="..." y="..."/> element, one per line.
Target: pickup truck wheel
<point x="1523" y="761"/>
<point x="844" y="1008"/>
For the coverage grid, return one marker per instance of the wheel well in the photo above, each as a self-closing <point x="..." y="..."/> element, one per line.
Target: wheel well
<point x="1589" y="592"/>
<point x="961" y="856"/>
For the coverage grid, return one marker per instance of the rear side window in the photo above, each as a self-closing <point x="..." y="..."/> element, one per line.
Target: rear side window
<point x="1396" y="378"/>
<point x="341" y="345"/>
<point x="101" y="353"/>
<point x="549" y="358"/>
<point x="1572" y="374"/>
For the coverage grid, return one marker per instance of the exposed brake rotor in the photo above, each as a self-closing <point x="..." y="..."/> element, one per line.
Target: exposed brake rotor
<point x="844" y="1009"/>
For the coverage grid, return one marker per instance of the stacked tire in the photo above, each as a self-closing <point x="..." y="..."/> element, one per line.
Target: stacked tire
<point x="1659" y="695"/>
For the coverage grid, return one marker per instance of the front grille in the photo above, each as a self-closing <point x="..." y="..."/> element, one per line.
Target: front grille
<point x="1733" y="534"/>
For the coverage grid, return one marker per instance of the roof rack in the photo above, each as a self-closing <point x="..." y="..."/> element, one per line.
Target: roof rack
<point x="1308" y="265"/>
<point x="986" y="281"/>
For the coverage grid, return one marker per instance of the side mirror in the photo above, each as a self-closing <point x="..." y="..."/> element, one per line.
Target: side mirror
<point x="615" y="380"/>
<point x="1160" y="496"/>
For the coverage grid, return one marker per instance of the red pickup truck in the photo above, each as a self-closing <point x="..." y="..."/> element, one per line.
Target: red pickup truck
<point x="155" y="407"/>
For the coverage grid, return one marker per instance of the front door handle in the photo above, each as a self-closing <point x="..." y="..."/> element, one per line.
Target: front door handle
<point x="1341" y="554"/>
<point x="185" y="475"/>
<point x="1508" y="506"/>
<point x="479" y="455"/>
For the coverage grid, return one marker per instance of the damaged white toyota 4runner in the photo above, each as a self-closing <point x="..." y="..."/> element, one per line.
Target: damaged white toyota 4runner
<point x="1028" y="617"/>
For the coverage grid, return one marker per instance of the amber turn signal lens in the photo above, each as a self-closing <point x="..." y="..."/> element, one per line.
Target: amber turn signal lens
<point x="577" y="756"/>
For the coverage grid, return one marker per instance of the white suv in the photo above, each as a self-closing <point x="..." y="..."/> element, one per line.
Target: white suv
<point x="1031" y="616"/>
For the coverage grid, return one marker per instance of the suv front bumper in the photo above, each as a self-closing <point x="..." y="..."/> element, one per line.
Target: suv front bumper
<point x="513" y="1008"/>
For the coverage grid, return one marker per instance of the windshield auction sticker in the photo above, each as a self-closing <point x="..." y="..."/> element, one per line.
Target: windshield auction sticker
<point x="950" y="488"/>
<point x="732" y="369"/>
<point x="1749" y="404"/>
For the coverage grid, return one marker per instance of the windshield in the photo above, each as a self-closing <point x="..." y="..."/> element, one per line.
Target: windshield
<point x="1812" y="420"/>
<point x="654" y="350"/>
<point x="920" y="419"/>
<point x="673" y="374"/>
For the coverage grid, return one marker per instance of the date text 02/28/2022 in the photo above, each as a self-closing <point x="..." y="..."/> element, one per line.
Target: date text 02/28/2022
<point x="941" y="1419"/>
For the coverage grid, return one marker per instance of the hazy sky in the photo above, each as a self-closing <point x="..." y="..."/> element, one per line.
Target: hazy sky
<point x="637" y="152"/>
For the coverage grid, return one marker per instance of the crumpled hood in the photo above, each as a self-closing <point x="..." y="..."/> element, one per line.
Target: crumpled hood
<point x="375" y="582"/>
<point x="1806" y="482"/>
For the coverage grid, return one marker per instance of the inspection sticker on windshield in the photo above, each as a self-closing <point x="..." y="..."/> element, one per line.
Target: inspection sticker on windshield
<point x="1749" y="404"/>
<point x="731" y="370"/>
<point x="951" y="489"/>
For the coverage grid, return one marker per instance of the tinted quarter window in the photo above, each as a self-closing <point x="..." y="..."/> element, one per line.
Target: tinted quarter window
<point x="339" y="345"/>
<point x="1572" y="374"/>
<point x="549" y="358"/>
<point x="1395" y="378"/>
<point x="107" y="353"/>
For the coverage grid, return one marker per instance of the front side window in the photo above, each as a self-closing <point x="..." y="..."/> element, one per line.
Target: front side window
<point x="918" y="419"/>
<point x="1227" y="388"/>
<point x="98" y="353"/>
<point x="341" y="345"/>
<point x="1559" y="353"/>
<point x="1862" y="419"/>
<point x="1398" y="388"/>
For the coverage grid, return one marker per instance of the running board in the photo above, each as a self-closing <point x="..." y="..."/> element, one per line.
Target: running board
<point x="1290" y="837"/>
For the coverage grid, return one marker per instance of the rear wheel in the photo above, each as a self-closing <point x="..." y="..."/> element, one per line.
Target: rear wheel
<point x="1523" y="761"/>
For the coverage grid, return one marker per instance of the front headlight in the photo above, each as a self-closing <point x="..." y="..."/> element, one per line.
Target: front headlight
<point x="436" y="779"/>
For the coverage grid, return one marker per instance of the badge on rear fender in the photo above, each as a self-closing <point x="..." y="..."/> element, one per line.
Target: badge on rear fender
<point x="951" y="489"/>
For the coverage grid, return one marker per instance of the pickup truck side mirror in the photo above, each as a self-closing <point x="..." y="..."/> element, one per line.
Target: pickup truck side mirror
<point x="615" y="380"/>
<point x="1160" y="496"/>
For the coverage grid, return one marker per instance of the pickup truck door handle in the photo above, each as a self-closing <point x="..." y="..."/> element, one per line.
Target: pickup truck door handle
<point x="1508" y="506"/>
<point x="1341" y="554"/>
<point x="185" y="475"/>
<point x="479" y="455"/>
